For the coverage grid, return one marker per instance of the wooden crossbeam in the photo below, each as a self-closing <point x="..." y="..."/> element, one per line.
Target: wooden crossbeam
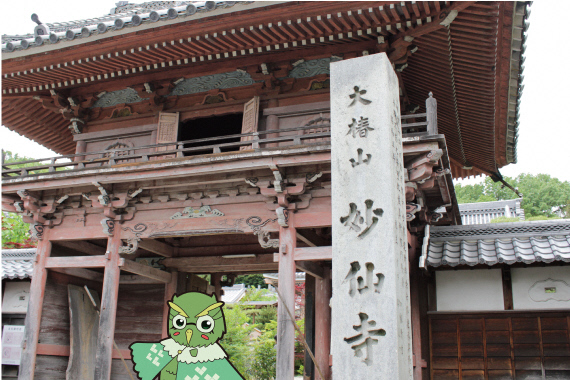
<point x="83" y="247"/>
<point x="76" y="262"/>
<point x="310" y="254"/>
<point x="157" y="247"/>
<point x="81" y="273"/>
<point x="144" y="270"/>
<point x="311" y="268"/>
<point x="215" y="264"/>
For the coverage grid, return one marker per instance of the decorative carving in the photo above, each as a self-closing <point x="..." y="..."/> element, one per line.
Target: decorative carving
<point x="132" y="193"/>
<point x="37" y="231"/>
<point x="104" y="198"/>
<point x="126" y="96"/>
<point x="359" y="159"/>
<point x="312" y="67"/>
<point x="411" y="209"/>
<point x="131" y="247"/>
<point x="255" y="223"/>
<point x="550" y="289"/>
<point x="137" y="230"/>
<point x="282" y="216"/>
<point x="76" y="125"/>
<point x="312" y="177"/>
<point x="19" y="206"/>
<point x="202" y="212"/>
<point x="319" y="85"/>
<point x="210" y="82"/>
<point x="108" y="226"/>
<point x="358" y="283"/>
<point x="121" y="112"/>
<point x="252" y="181"/>
<point x="111" y="150"/>
<point x="365" y="339"/>
<point x="355" y="221"/>
<point x="265" y="241"/>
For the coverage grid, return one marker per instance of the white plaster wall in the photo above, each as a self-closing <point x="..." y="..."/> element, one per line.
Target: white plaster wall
<point x="479" y="289"/>
<point x="529" y="286"/>
<point x="16" y="297"/>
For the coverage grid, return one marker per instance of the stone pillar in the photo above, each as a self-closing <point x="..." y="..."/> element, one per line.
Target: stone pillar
<point x="103" y="359"/>
<point x="286" y="286"/>
<point x="34" y="314"/>
<point x="371" y="330"/>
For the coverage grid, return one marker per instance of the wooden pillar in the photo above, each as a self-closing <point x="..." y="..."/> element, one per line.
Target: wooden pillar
<point x="309" y="325"/>
<point x="217" y="283"/>
<point x="34" y="314"/>
<point x="109" y="297"/>
<point x="170" y="289"/>
<point x="80" y="148"/>
<point x="323" y="294"/>
<point x="286" y="284"/>
<point x="272" y="122"/>
<point x="415" y="306"/>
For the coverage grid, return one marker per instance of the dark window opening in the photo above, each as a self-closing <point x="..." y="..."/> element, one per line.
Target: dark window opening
<point x="209" y="127"/>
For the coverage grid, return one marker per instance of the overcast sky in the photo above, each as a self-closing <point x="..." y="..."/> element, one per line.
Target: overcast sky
<point x="544" y="132"/>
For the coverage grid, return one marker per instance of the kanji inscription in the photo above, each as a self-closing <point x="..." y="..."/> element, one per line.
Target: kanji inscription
<point x="366" y="338"/>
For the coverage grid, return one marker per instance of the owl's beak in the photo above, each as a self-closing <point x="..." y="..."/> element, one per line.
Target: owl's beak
<point x="188" y="335"/>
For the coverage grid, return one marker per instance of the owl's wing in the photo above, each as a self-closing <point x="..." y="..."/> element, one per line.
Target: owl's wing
<point x="149" y="359"/>
<point x="208" y="370"/>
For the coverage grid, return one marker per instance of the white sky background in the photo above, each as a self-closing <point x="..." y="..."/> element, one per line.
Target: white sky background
<point x="544" y="131"/>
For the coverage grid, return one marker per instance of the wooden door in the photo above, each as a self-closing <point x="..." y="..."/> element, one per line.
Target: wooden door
<point x="167" y="131"/>
<point x="250" y="122"/>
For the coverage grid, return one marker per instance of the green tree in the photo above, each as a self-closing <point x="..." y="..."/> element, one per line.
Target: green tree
<point x="236" y="341"/>
<point x="543" y="195"/>
<point x="15" y="233"/>
<point x="252" y="280"/>
<point x="264" y="361"/>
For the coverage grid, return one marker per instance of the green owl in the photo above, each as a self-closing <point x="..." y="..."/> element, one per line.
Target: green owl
<point x="196" y="324"/>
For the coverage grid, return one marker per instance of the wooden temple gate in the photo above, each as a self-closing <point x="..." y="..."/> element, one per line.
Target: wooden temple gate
<point x="204" y="147"/>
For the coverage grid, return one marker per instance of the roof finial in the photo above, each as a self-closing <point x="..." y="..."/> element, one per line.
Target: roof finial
<point x="36" y="19"/>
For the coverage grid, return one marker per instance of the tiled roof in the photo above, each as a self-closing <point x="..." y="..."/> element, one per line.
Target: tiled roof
<point x="484" y="212"/>
<point x="508" y="243"/>
<point x="18" y="263"/>
<point x="123" y="16"/>
<point x="233" y="294"/>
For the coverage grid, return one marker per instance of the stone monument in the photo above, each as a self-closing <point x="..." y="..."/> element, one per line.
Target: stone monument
<point x="371" y="329"/>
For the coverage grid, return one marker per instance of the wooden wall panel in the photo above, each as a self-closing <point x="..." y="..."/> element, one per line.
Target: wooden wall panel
<point x="495" y="347"/>
<point x="54" y="328"/>
<point x="50" y="367"/>
<point x="139" y="314"/>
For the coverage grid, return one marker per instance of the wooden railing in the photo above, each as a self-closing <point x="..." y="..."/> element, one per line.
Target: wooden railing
<point x="412" y="125"/>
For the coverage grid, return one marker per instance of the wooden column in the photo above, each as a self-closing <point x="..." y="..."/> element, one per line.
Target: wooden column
<point x="323" y="294"/>
<point x="272" y="122"/>
<point x="217" y="283"/>
<point x="309" y="325"/>
<point x="109" y="297"/>
<point x="80" y="148"/>
<point x="34" y="314"/>
<point x="170" y="289"/>
<point x="286" y="284"/>
<point x="415" y="306"/>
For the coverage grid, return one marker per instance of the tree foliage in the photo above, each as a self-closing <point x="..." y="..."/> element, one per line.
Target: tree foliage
<point x="543" y="195"/>
<point x="15" y="233"/>
<point x="254" y="280"/>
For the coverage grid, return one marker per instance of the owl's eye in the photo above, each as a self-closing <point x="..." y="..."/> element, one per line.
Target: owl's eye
<point x="179" y="322"/>
<point x="205" y="324"/>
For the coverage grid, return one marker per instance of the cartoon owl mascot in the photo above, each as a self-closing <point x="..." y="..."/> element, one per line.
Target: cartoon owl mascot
<point x="196" y="324"/>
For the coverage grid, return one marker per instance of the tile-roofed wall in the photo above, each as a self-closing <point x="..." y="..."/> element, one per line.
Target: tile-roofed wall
<point x="17" y="263"/>
<point x="508" y="243"/>
<point x="484" y="212"/>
